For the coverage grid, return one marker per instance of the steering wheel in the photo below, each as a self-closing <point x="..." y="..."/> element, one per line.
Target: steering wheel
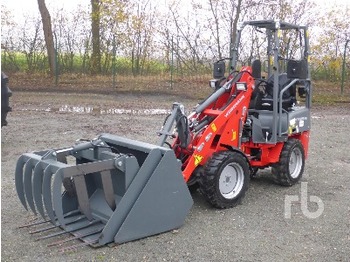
<point x="260" y="81"/>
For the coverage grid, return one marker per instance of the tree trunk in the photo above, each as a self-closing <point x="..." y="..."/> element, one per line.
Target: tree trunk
<point x="216" y="31"/>
<point x="234" y="23"/>
<point x="95" y="28"/>
<point x="46" y="20"/>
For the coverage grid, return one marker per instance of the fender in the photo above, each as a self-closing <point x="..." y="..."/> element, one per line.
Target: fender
<point x="235" y="149"/>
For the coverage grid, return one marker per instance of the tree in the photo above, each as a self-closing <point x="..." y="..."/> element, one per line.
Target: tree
<point x="114" y="31"/>
<point x="48" y="36"/>
<point x="140" y="31"/>
<point x="95" y="30"/>
<point x="188" y="47"/>
<point x="223" y="17"/>
<point x="216" y="30"/>
<point x="233" y="18"/>
<point x="328" y="50"/>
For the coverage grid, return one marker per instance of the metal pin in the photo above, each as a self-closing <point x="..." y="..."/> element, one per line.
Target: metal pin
<point x="35" y="223"/>
<point x="42" y="229"/>
<point x="79" y="245"/>
<point x="95" y="231"/>
<point x="67" y="231"/>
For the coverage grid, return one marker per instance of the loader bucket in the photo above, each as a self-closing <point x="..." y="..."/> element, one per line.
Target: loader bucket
<point x="115" y="189"/>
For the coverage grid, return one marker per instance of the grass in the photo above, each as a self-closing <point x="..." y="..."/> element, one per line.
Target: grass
<point x="157" y="81"/>
<point x="196" y="86"/>
<point x="35" y="62"/>
<point x="191" y="86"/>
<point x="329" y="94"/>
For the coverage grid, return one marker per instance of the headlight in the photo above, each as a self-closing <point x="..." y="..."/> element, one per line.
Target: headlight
<point x="214" y="83"/>
<point x="241" y="86"/>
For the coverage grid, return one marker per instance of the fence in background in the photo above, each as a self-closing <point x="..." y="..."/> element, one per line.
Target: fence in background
<point x="170" y="70"/>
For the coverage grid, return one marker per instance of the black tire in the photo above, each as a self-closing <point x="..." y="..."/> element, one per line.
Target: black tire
<point x="193" y="183"/>
<point x="253" y="172"/>
<point x="225" y="192"/>
<point x="193" y="188"/>
<point x="5" y="101"/>
<point x="290" y="167"/>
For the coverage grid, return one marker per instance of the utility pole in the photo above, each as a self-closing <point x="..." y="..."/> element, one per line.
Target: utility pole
<point x="343" y="67"/>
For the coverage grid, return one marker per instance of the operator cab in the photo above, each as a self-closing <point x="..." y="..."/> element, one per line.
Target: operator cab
<point x="282" y="80"/>
<point x="263" y="94"/>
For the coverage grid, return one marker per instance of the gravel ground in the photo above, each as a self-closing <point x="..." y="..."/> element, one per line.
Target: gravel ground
<point x="257" y="230"/>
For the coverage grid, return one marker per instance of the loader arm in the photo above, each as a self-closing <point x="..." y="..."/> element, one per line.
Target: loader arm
<point x="223" y="115"/>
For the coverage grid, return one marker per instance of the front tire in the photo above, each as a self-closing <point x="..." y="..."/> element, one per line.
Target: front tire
<point x="225" y="179"/>
<point x="290" y="167"/>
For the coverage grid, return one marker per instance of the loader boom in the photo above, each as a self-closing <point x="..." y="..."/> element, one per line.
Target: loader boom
<point x="223" y="118"/>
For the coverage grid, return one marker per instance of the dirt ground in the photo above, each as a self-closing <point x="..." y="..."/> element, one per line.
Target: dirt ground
<point x="257" y="230"/>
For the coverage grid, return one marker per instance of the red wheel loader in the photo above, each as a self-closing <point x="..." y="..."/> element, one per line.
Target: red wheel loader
<point x="118" y="190"/>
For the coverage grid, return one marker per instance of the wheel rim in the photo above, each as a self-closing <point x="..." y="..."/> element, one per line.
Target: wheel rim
<point x="231" y="180"/>
<point x="295" y="162"/>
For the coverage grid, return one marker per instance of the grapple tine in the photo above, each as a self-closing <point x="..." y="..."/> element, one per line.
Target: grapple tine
<point x="19" y="178"/>
<point x="48" y="172"/>
<point x="28" y="173"/>
<point x="37" y="187"/>
<point x="38" y="177"/>
<point x="57" y="198"/>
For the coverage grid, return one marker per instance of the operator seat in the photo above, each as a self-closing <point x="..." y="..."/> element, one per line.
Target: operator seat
<point x="288" y="98"/>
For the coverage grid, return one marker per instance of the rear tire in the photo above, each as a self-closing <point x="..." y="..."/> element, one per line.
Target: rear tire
<point x="225" y="179"/>
<point x="290" y="167"/>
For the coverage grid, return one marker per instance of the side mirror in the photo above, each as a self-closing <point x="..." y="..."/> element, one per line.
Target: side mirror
<point x="297" y="69"/>
<point x="219" y="70"/>
<point x="256" y="68"/>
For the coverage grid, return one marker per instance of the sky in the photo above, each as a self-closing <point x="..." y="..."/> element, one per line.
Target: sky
<point x="31" y="6"/>
<point x="22" y="8"/>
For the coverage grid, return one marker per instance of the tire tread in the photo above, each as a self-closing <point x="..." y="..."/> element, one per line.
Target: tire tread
<point x="280" y="171"/>
<point x="209" y="180"/>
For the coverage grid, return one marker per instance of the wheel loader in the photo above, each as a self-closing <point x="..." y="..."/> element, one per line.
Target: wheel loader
<point x="113" y="190"/>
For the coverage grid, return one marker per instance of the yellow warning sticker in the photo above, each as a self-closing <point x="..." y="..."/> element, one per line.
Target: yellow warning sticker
<point x="279" y="33"/>
<point x="234" y="135"/>
<point x="197" y="159"/>
<point x="213" y="126"/>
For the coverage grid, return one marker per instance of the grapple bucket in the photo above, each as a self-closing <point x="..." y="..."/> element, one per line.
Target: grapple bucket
<point x="116" y="189"/>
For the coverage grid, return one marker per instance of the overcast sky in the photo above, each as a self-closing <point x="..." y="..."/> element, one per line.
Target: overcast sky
<point x="21" y="8"/>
